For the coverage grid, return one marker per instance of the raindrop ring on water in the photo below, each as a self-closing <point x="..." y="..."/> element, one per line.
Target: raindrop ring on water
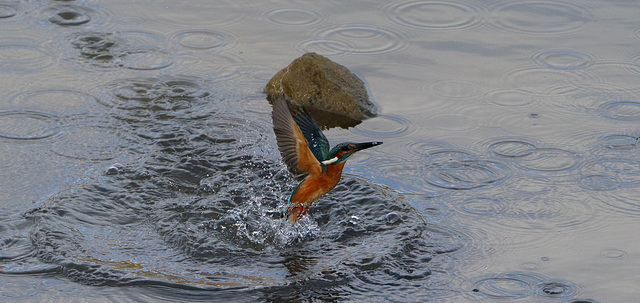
<point x="24" y="58"/>
<point x="363" y="38"/>
<point x="554" y="289"/>
<point x="483" y="206"/>
<point x="621" y="110"/>
<point x="7" y="10"/>
<point x="563" y="59"/>
<point x="27" y="125"/>
<point x="540" y="17"/>
<point x="203" y="39"/>
<point x="619" y="142"/>
<point x="435" y="15"/>
<point x="292" y="16"/>
<point x="548" y="160"/>
<point x="466" y="174"/>
<point x="384" y="126"/>
<point x="512" y="148"/>
<point x="61" y="101"/>
<point x="68" y="15"/>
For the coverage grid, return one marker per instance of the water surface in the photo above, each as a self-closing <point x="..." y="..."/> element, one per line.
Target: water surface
<point x="139" y="163"/>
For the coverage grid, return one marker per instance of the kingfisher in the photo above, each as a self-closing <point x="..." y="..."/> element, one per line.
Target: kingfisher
<point x="305" y="151"/>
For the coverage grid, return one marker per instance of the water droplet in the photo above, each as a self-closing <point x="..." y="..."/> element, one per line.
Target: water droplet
<point x="68" y="15"/>
<point x="392" y="218"/>
<point x="554" y="289"/>
<point x="114" y="169"/>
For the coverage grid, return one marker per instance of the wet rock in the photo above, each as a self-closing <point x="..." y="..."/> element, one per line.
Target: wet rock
<point x="318" y="83"/>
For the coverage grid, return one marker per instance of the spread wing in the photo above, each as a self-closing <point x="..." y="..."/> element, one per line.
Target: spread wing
<point x="318" y="143"/>
<point x="293" y="145"/>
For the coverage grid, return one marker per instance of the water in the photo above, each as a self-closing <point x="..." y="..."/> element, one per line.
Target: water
<point x="139" y="163"/>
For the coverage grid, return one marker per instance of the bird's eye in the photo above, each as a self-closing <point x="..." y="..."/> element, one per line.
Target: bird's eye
<point x="345" y="148"/>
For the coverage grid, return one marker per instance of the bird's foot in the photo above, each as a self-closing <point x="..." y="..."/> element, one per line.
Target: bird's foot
<point x="297" y="210"/>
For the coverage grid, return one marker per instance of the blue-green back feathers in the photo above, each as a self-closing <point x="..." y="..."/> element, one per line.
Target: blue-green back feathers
<point x="318" y="143"/>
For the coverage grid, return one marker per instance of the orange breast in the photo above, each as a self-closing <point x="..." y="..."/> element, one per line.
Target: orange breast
<point x="314" y="186"/>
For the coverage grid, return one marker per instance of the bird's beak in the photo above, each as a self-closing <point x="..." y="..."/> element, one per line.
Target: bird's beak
<point x="365" y="145"/>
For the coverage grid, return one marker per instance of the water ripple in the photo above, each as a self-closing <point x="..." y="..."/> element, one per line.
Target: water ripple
<point x="133" y="50"/>
<point x="357" y="38"/>
<point x="619" y="142"/>
<point x="326" y="47"/>
<point x="384" y="126"/>
<point x="452" y="169"/>
<point x="453" y="88"/>
<point x="611" y="77"/>
<point x="231" y="232"/>
<point x="626" y="110"/>
<point x="204" y="39"/>
<point x="541" y="17"/>
<point x="624" y="199"/>
<point x="24" y="58"/>
<point x="219" y="14"/>
<point x="518" y="285"/>
<point x="452" y="122"/>
<point x="542" y="80"/>
<point x="12" y="15"/>
<point x="293" y="16"/>
<point x="26" y="125"/>
<point x="59" y="101"/>
<point x="484" y="206"/>
<point x="607" y="174"/>
<point x="546" y="211"/>
<point x="94" y="143"/>
<point x="536" y="123"/>
<point x="401" y="174"/>
<point x="8" y="10"/>
<point x="146" y="98"/>
<point x="68" y="15"/>
<point x="548" y="160"/>
<point x="613" y="253"/>
<point x="563" y="59"/>
<point x="435" y="15"/>
<point x="512" y="147"/>
<point x="510" y="97"/>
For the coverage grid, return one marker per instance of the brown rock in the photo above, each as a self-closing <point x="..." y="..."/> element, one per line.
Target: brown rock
<point x="318" y="83"/>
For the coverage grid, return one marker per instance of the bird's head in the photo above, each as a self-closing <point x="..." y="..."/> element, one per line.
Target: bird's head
<point x="343" y="151"/>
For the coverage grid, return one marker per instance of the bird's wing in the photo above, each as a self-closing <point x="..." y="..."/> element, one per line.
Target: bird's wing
<point x="318" y="143"/>
<point x="292" y="144"/>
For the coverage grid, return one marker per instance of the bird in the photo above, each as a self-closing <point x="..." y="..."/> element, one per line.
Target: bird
<point x="305" y="151"/>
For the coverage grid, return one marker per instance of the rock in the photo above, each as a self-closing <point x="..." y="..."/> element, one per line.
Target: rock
<point x="316" y="82"/>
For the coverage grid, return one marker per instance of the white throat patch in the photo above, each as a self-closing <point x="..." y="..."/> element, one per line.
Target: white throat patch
<point x="330" y="161"/>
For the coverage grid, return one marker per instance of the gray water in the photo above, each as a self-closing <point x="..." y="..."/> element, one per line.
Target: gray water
<point x="139" y="163"/>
